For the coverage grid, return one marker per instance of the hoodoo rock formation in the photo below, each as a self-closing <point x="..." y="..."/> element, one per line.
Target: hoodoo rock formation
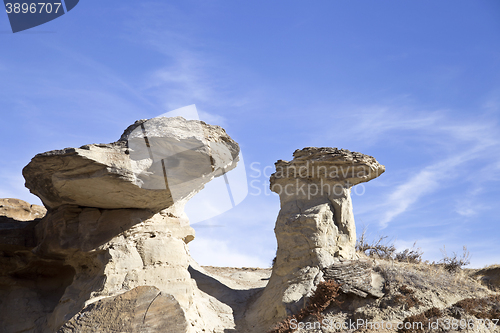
<point x="315" y="227"/>
<point x="114" y="240"/>
<point x="109" y="253"/>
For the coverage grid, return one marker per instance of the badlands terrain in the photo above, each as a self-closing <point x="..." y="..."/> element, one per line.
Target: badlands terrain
<point x="109" y="251"/>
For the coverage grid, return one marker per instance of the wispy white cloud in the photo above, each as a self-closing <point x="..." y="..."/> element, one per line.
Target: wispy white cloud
<point x="183" y="77"/>
<point x="466" y="209"/>
<point x="450" y="145"/>
<point x="469" y="205"/>
<point x="213" y="119"/>
<point x="480" y="134"/>
<point x="492" y="101"/>
<point x="408" y="193"/>
<point x="181" y="83"/>
<point x="376" y="122"/>
<point x="427" y="181"/>
<point x="191" y="72"/>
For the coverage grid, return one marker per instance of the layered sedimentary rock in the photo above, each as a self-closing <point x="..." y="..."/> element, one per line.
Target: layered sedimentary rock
<point x="17" y="221"/>
<point x="142" y="309"/>
<point x="20" y="210"/>
<point x="155" y="163"/>
<point x="114" y="240"/>
<point x="489" y="276"/>
<point x="315" y="227"/>
<point x="356" y="277"/>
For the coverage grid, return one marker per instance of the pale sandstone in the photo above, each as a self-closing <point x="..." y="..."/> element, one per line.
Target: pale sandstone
<point x="489" y="276"/>
<point x="115" y="227"/>
<point x="20" y="210"/>
<point x="128" y="173"/>
<point x="315" y="227"/>
<point x="142" y="309"/>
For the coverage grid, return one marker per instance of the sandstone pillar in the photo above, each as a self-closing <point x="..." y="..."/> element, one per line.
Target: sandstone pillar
<point x="116" y="228"/>
<point x="315" y="226"/>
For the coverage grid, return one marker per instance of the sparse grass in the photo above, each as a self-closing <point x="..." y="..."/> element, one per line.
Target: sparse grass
<point x="413" y="255"/>
<point x="326" y="294"/>
<point x="411" y="284"/>
<point x="383" y="249"/>
<point x="419" y="276"/>
<point x="379" y="248"/>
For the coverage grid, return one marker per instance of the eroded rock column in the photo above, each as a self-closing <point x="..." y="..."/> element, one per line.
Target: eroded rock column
<point x="116" y="218"/>
<point x="315" y="227"/>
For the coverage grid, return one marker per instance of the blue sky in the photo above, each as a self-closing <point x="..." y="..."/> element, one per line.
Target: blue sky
<point x="416" y="84"/>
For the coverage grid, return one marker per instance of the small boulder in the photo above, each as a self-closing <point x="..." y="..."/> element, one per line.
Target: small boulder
<point x="143" y="309"/>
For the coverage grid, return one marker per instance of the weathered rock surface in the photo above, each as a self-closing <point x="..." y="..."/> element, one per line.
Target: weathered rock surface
<point x="114" y="268"/>
<point x="412" y="291"/>
<point x="356" y="277"/>
<point x="142" y="309"/>
<point x="489" y="276"/>
<point x="154" y="164"/>
<point x="315" y="227"/>
<point x="113" y="244"/>
<point x="30" y="286"/>
<point x="20" y="210"/>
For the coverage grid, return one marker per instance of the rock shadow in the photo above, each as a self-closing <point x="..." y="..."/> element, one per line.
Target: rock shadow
<point x="237" y="299"/>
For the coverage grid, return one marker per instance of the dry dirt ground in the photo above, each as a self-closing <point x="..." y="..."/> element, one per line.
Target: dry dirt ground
<point x="236" y="287"/>
<point x="240" y="278"/>
<point x="411" y="291"/>
<point x="414" y="294"/>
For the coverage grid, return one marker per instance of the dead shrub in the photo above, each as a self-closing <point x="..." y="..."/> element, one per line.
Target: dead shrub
<point x="407" y="297"/>
<point x="418" y="323"/>
<point x="406" y="290"/>
<point x="383" y="249"/>
<point x="379" y="248"/>
<point x="411" y="256"/>
<point x="455" y="262"/>
<point x="326" y="294"/>
<point x="481" y="308"/>
<point x="433" y="313"/>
